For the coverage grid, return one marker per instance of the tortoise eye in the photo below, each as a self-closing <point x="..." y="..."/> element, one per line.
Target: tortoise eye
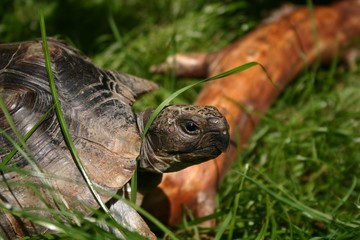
<point x="191" y="127"/>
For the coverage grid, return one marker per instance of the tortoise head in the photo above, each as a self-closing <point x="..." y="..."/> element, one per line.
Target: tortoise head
<point x="181" y="136"/>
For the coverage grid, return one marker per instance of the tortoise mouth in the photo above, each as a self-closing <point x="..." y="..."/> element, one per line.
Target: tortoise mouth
<point x="219" y="140"/>
<point x="211" y="145"/>
<point x="209" y="152"/>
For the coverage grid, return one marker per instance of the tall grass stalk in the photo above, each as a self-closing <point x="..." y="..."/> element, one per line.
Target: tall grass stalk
<point x="65" y="129"/>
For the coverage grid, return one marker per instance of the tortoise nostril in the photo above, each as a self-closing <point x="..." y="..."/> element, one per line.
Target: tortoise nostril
<point x="214" y="120"/>
<point x="219" y="124"/>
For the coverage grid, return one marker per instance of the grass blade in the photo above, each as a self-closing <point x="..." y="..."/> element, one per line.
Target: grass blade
<point x="347" y="195"/>
<point x="66" y="133"/>
<point x="133" y="184"/>
<point x="306" y="210"/>
<point x="222" y="227"/>
<point x="12" y="153"/>
<point x="61" y="118"/>
<point x="180" y="91"/>
<point x="17" y="135"/>
<point x="265" y="225"/>
<point x="115" y="31"/>
<point x="236" y="204"/>
<point x="24" y="150"/>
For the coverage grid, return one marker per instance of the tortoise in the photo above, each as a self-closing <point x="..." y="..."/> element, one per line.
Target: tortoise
<point x="97" y="105"/>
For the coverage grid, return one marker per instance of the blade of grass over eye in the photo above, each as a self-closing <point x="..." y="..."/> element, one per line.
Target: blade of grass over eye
<point x="61" y="118"/>
<point x="180" y="91"/>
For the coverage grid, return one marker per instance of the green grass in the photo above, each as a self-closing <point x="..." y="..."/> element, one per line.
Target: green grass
<point x="298" y="177"/>
<point x="305" y="157"/>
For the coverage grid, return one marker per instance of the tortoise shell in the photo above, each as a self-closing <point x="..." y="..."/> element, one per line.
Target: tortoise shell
<point x="97" y="108"/>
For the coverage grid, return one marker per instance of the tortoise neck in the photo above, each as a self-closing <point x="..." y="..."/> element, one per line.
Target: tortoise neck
<point x="142" y="119"/>
<point x="149" y="160"/>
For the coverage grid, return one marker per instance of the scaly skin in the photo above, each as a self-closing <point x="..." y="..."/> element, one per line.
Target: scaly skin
<point x="284" y="46"/>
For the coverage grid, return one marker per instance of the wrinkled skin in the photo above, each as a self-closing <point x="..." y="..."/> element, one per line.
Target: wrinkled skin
<point x="182" y="136"/>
